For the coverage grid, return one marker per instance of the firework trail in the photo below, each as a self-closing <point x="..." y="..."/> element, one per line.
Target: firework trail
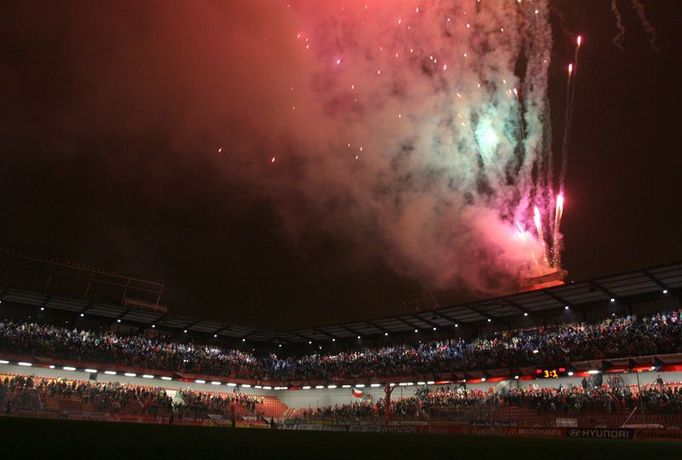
<point x="620" y="36"/>
<point x="646" y="25"/>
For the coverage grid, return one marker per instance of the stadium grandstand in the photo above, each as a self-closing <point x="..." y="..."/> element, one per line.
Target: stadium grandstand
<point x="83" y="344"/>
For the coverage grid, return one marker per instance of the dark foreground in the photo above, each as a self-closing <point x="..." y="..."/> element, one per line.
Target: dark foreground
<point x="32" y="438"/>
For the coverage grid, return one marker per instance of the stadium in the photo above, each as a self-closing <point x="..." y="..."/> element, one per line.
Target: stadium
<point x="340" y="229"/>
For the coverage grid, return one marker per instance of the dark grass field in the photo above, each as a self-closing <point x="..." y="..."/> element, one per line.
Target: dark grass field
<point x="47" y="439"/>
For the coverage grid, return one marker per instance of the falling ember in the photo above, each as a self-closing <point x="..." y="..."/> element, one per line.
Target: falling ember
<point x="220" y="150"/>
<point x="580" y="40"/>
<point x="273" y="159"/>
<point x="570" y="69"/>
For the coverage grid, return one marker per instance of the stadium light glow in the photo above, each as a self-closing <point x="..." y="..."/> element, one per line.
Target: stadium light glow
<point x="345" y="386"/>
<point x="360" y="385"/>
<point x="310" y="342"/>
<point x="82" y="315"/>
<point x="118" y="320"/>
<point x="665" y="291"/>
<point x="165" y="377"/>
<point x="2" y="361"/>
<point x="199" y="381"/>
<point x="52" y="366"/>
<point x="258" y="387"/>
<point x="430" y="382"/>
<point x="130" y="374"/>
<point x="21" y="363"/>
<point x="489" y="320"/>
<point x="215" y="382"/>
<point x="153" y="326"/>
<point x="566" y="307"/>
<point x="421" y="383"/>
<point x="416" y="330"/>
<point x="456" y="324"/>
<point x="90" y="371"/>
<point x="110" y="372"/>
<point x="391" y="384"/>
<point x="42" y="308"/>
<point x="267" y="388"/>
<point x="535" y="352"/>
<point x="612" y="300"/>
<point x="516" y="377"/>
<point x="230" y="384"/>
<point x="69" y="368"/>
<point x="386" y="334"/>
<point x="359" y="337"/>
<point x="319" y="387"/>
<point x="482" y="379"/>
<point x="375" y="385"/>
<point x="215" y="336"/>
<point x="147" y="376"/>
<point x="333" y="340"/>
<point x="305" y="387"/>
<point x="331" y="387"/>
<point x="570" y="373"/>
<point x="246" y="385"/>
<point x="593" y="371"/>
<point x="525" y="313"/>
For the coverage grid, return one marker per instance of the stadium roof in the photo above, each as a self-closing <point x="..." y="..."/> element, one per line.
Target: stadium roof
<point x="623" y="288"/>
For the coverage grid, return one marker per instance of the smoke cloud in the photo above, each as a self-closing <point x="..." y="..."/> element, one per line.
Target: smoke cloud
<point x="416" y="130"/>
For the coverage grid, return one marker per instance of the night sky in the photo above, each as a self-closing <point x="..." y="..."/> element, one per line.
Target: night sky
<point x="112" y="118"/>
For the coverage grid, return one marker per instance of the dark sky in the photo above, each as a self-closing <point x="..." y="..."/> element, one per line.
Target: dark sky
<point x="90" y="172"/>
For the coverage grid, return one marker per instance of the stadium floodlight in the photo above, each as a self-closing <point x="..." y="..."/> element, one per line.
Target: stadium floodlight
<point x="359" y="385"/>
<point x="90" y="371"/>
<point x="566" y="307"/>
<point x="2" y="361"/>
<point x="612" y="300"/>
<point x="570" y="373"/>
<point x="147" y="376"/>
<point x="652" y="368"/>
<point x="402" y="384"/>
<point x="331" y="387"/>
<point x="110" y="372"/>
<point x="665" y="291"/>
<point x="165" y="377"/>
<point x="69" y="368"/>
<point x="215" y="336"/>
<point x="535" y="352"/>
<point x="258" y="387"/>
<point x="118" y="320"/>
<point x="434" y="328"/>
<point x="21" y="363"/>
<point x="421" y="383"/>
<point x="456" y="324"/>
<point x="593" y="371"/>
<point x="246" y="385"/>
<point x="391" y="384"/>
<point x="319" y="387"/>
<point x="185" y="331"/>
<point x="345" y="386"/>
<point x="82" y="315"/>
<point x="359" y="337"/>
<point x="305" y="387"/>
<point x="416" y="330"/>
<point x="130" y="374"/>
<point x="489" y="320"/>
<point x="375" y="385"/>
<point x="153" y="326"/>
<point x="280" y="345"/>
<point x="386" y="334"/>
<point x="516" y="377"/>
<point x="525" y="313"/>
<point x="215" y="382"/>
<point x="52" y="366"/>
<point x="333" y="340"/>
<point x="243" y="340"/>
<point x="483" y="379"/>
<point x="231" y="384"/>
<point x="267" y="388"/>
<point x="42" y="308"/>
<point x="199" y="381"/>
<point x="430" y="382"/>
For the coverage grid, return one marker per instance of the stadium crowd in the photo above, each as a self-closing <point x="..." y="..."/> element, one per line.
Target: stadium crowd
<point x="34" y="394"/>
<point x="447" y="401"/>
<point x="552" y="345"/>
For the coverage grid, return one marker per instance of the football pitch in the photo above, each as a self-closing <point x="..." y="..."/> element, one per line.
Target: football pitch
<point x="43" y="439"/>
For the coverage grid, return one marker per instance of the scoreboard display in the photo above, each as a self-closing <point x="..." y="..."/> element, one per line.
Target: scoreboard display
<point x="551" y="373"/>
